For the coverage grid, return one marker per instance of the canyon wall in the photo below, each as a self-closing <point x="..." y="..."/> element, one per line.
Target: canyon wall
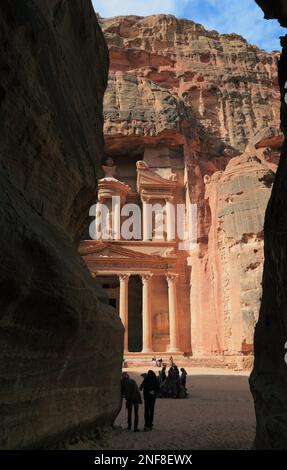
<point x="214" y="101"/>
<point x="269" y="377"/>
<point x="227" y="85"/>
<point x="58" y="372"/>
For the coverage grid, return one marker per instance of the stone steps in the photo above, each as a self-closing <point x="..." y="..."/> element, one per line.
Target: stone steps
<point x="233" y="362"/>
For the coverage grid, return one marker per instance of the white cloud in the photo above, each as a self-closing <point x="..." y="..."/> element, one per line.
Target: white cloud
<point x="243" y="17"/>
<point x="108" y="8"/>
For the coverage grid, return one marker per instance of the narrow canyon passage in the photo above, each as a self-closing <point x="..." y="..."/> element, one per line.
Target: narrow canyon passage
<point x="218" y="414"/>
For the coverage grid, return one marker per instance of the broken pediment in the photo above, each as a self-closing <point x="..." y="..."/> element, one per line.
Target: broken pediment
<point x="148" y="180"/>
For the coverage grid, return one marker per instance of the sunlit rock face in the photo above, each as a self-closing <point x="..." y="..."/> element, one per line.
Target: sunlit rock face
<point x="205" y="106"/>
<point x="228" y="85"/>
<point x="227" y="277"/>
<point x="60" y="344"/>
<point x="269" y="376"/>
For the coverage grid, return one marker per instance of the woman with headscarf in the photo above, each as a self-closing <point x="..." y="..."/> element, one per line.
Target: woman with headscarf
<point x="150" y="388"/>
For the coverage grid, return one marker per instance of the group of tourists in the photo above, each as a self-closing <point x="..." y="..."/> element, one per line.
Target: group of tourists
<point x="165" y="385"/>
<point x="172" y="384"/>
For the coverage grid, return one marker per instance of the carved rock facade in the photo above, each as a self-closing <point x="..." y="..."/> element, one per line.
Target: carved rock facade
<point x="202" y="106"/>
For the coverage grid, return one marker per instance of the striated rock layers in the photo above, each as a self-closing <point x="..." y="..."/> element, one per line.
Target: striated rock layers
<point x="269" y="377"/>
<point x="228" y="85"/>
<point x="206" y="105"/>
<point x="58" y="371"/>
<point x="226" y="278"/>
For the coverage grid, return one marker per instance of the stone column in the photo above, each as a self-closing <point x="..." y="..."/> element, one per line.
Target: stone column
<point x="146" y="313"/>
<point x="116" y="210"/>
<point x="124" y="306"/>
<point x="172" y="306"/>
<point x="170" y="219"/>
<point x="106" y="221"/>
<point x="98" y="222"/>
<point x="146" y="222"/>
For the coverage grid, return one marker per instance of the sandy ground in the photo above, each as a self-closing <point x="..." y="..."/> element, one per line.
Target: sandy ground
<point x="218" y="414"/>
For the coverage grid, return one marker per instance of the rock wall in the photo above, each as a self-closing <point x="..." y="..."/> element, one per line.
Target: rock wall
<point x="58" y="371"/>
<point x="214" y="100"/>
<point x="269" y="377"/>
<point x="226" y="277"/>
<point x="139" y="112"/>
<point x="228" y="85"/>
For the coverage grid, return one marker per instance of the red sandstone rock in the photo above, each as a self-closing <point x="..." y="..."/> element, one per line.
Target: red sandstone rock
<point x="228" y="85"/>
<point x="226" y="279"/>
<point x="58" y="371"/>
<point x="208" y="97"/>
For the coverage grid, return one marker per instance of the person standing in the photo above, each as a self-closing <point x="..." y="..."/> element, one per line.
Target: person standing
<point x="162" y="375"/>
<point x="131" y="393"/>
<point x="150" y="388"/>
<point x="183" y="377"/>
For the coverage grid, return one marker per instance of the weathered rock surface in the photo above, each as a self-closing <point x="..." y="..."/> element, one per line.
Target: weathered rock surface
<point x="228" y="85"/>
<point x="214" y="100"/>
<point x="142" y="111"/>
<point x="269" y="377"/>
<point x="226" y="279"/>
<point x="60" y="344"/>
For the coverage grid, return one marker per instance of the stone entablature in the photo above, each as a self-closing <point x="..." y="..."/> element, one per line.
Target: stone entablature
<point x="106" y="258"/>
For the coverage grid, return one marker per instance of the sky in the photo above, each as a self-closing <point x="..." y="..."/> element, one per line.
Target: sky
<point x="243" y="17"/>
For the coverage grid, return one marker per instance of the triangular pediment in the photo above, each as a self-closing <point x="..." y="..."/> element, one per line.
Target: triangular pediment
<point x="111" y="250"/>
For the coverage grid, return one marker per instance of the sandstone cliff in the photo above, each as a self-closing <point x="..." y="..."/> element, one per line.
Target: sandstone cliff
<point x="214" y="99"/>
<point x="227" y="273"/>
<point x="228" y="85"/>
<point x="269" y="377"/>
<point x="58" y="371"/>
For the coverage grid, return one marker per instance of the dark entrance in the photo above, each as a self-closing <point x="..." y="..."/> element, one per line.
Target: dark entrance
<point x="135" y="314"/>
<point x="112" y="287"/>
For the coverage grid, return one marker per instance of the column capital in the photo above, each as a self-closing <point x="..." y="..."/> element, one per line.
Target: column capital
<point x="146" y="276"/>
<point x="145" y="199"/>
<point x="171" y="277"/>
<point x="124" y="276"/>
<point x="169" y="198"/>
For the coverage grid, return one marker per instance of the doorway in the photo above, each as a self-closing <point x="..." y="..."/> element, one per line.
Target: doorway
<point x="135" y="314"/>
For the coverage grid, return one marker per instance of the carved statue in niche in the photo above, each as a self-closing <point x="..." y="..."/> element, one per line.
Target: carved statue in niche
<point x="109" y="168"/>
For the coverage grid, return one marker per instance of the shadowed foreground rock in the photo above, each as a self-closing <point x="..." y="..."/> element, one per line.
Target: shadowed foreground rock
<point x="60" y="344"/>
<point x="269" y="377"/>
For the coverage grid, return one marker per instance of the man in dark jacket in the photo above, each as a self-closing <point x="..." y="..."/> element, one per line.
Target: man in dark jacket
<point x="131" y="393"/>
<point x="150" y="387"/>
